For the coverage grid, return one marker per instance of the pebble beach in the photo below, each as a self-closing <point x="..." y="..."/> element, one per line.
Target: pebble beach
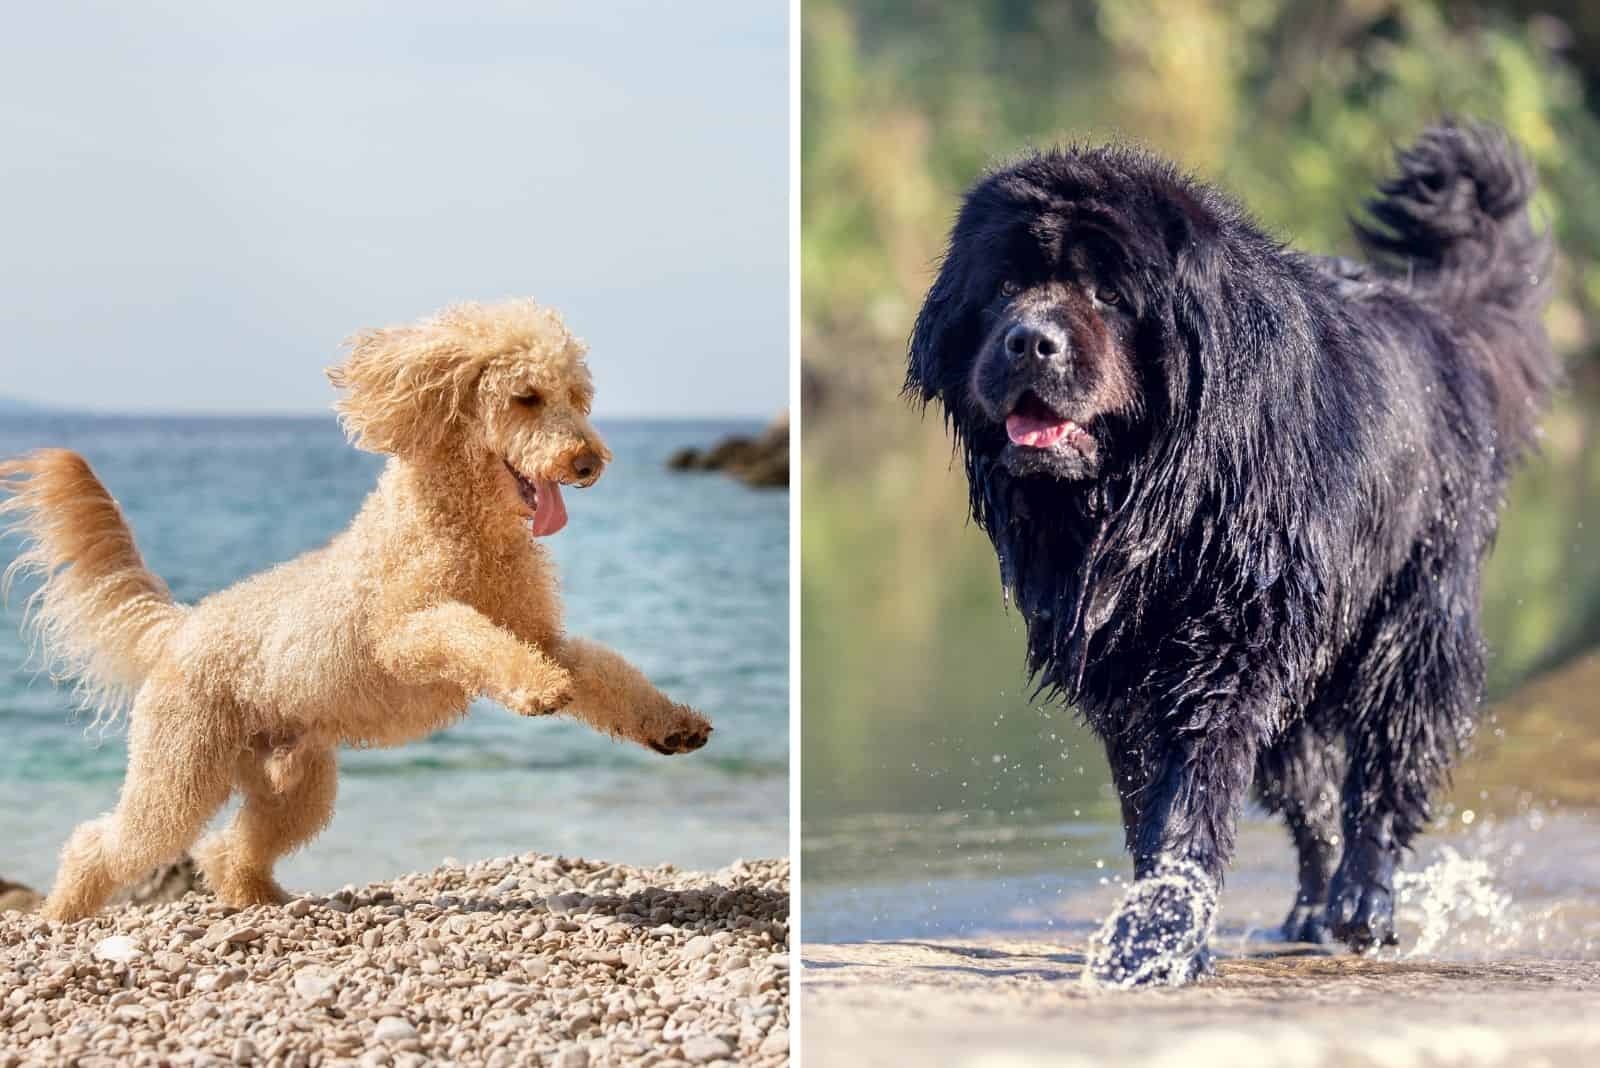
<point x="528" y="960"/>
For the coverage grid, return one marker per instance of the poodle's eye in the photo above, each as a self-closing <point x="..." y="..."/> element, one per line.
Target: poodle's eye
<point x="1009" y="289"/>
<point x="531" y="399"/>
<point x="1108" y="296"/>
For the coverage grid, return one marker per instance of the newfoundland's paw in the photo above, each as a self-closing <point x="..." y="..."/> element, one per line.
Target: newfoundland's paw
<point x="1157" y="935"/>
<point x="1308" y="923"/>
<point x="685" y="731"/>
<point x="1361" y="912"/>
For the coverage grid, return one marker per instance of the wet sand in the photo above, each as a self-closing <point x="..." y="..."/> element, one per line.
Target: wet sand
<point x="1014" y="1001"/>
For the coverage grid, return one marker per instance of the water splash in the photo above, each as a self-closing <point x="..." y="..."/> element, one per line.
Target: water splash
<point x="1457" y="907"/>
<point x="1157" y="936"/>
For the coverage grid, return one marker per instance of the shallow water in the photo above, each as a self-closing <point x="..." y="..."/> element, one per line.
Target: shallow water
<point x="1511" y="870"/>
<point x="1498" y="889"/>
<point x="685" y="574"/>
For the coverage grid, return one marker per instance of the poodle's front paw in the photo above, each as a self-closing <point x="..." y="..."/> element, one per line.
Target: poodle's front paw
<point x="1157" y="936"/>
<point x="545" y="700"/>
<point x="682" y="731"/>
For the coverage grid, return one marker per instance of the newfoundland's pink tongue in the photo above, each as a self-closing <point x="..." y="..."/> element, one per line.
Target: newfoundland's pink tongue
<point x="551" y="514"/>
<point x="1036" y="431"/>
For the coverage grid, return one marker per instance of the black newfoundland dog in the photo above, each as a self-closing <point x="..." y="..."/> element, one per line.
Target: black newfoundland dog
<point x="1241" y="496"/>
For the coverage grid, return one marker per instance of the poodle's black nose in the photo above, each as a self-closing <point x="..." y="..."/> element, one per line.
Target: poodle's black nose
<point x="586" y="465"/>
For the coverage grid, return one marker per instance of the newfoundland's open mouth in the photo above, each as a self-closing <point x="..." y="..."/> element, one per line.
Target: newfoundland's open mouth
<point x="542" y="497"/>
<point x="1033" y="424"/>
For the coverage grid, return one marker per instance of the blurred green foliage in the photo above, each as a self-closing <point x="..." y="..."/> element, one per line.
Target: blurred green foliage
<point x="911" y="668"/>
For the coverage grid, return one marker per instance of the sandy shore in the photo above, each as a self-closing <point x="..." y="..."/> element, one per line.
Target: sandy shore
<point x="518" y="961"/>
<point x="1015" y="1001"/>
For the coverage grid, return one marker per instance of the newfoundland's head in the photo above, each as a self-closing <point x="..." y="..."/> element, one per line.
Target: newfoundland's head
<point x="1054" y="335"/>
<point x="1092" y="340"/>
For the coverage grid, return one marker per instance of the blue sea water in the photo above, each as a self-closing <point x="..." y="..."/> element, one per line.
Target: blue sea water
<point x="686" y="574"/>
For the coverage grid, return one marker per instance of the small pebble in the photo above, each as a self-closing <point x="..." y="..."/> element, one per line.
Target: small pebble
<point x="171" y="963"/>
<point x="117" y="948"/>
<point x="705" y="1048"/>
<point x="572" y="1057"/>
<point x="223" y="933"/>
<point x="394" y="1029"/>
<point x="315" y="985"/>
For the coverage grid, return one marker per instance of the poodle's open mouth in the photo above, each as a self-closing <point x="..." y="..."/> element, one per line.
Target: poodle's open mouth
<point x="1033" y="424"/>
<point x="542" y="496"/>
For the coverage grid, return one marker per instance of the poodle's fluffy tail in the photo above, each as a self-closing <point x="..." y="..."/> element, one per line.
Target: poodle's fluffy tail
<point x="1454" y="221"/>
<point x="102" y="617"/>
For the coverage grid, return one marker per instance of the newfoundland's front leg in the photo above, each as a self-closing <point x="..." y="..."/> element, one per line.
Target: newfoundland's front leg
<point x="1181" y="798"/>
<point x="456" y="643"/>
<point x="613" y="696"/>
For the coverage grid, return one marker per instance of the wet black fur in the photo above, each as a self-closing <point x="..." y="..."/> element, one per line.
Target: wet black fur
<point x="1274" y="576"/>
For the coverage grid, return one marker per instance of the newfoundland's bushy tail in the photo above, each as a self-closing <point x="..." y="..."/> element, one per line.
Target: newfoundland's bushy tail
<point x="1455" y="223"/>
<point x="102" y="616"/>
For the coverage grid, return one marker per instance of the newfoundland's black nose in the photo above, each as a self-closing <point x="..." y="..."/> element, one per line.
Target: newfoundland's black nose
<point x="586" y="465"/>
<point x="1040" y="340"/>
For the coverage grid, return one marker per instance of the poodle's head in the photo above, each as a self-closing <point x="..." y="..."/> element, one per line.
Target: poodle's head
<point x="500" y="387"/>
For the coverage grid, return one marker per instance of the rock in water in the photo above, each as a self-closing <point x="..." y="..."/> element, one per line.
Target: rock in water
<point x="761" y="461"/>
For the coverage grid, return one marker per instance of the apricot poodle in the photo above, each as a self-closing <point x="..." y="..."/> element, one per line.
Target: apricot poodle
<point x="434" y="595"/>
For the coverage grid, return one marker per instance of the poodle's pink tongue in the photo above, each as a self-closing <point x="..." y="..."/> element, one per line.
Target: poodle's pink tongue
<point x="551" y="514"/>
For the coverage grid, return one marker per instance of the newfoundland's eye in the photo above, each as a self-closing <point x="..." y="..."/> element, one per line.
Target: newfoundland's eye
<point x="1108" y="296"/>
<point x="531" y="399"/>
<point x="1009" y="289"/>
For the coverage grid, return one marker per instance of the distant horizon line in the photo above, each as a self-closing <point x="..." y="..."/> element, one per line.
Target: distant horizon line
<point x="24" y="406"/>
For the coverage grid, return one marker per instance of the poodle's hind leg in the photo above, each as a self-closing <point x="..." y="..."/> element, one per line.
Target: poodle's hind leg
<point x="289" y="788"/>
<point x="613" y="696"/>
<point x="179" y="775"/>
<point x="1302" y="776"/>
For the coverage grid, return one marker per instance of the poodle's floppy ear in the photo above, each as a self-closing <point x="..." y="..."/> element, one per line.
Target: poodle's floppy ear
<point x="408" y="386"/>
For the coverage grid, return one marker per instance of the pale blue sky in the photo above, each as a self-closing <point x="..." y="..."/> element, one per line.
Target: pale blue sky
<point x="200" y="200"/>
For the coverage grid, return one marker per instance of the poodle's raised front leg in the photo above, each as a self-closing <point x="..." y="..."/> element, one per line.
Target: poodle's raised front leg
<point x="614" y="696"/>
<point x="456" y="643"/>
